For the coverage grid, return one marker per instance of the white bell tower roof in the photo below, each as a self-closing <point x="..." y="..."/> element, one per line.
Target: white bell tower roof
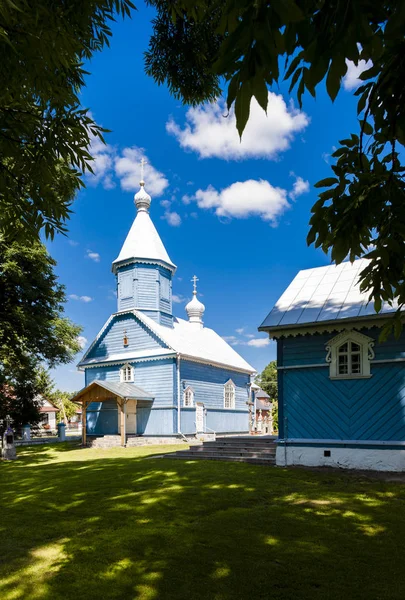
<point x="143" y="240"/>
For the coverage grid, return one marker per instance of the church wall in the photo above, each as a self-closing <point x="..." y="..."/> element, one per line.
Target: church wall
<point x="112" y="341"/>
<point x="220" y="421"/>
<point x="314" y="407"/>
<point x="155" y="377"/>
<point x="208" y="384"/>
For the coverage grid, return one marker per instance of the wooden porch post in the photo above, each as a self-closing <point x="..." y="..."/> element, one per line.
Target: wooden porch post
<point x="123" y="427"/>
<point x="84" y="406"/>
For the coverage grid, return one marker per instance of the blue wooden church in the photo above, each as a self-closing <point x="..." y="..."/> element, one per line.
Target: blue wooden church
<point x="150" y="373"/>
<point x="341" y="391"/>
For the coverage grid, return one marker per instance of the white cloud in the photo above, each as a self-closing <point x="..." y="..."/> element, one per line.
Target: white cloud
<point x="249" y="335"/>
<point x="178" y="298"/>
<point x="300" y="186"/>
<point x="259" y="342"/>
<point x="173" y="218"/>
<point x="240" y="330"/>
<point x="93" y="255"/>
<point x="351" y="80"/>
<point x="245" y="199"/>
<point x="210" y="133"/>
<point x="128" y="169"/>
<point x="85" y="299"/>
<point x="165" y="203"/>
<point x="111" y="164"/>
<point x="73" y="243"/>
<point x="82" y="341"/>
<point x="232" y="340"/>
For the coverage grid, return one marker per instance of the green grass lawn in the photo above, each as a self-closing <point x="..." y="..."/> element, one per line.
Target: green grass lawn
<point x="101" y="524"/>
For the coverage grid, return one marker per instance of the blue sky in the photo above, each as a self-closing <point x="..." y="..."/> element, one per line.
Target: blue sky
<point x="236" y="215"/>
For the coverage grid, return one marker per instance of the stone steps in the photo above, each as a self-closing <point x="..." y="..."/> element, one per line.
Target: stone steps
<point x="254" y="450"/>
<point x="258" y="460"/>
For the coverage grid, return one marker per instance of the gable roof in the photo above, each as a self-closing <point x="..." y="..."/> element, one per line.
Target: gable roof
<point x="324" y="294"/>
<point x="200" y="343"/>
<point x="127" y="391"/>
<point x="143" y="242"/>
<point x="184" y="338"/>
<point x="261" y="394"/>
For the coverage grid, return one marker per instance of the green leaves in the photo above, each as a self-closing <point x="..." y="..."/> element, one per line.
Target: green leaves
<point x="242" y="107"/>
<point x="44" y="133"/>
<point x="336" y="71"/>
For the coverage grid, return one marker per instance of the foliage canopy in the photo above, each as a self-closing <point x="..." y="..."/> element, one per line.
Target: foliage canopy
<point x="249" y="46"/>
<point x="44" y="132"/>
<point x="33" y="331"/>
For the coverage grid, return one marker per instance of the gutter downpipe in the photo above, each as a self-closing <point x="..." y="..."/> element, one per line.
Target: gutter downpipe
<point x="179" y="399"/>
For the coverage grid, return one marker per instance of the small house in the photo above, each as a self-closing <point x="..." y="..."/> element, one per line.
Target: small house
<point x="341" y="390"/>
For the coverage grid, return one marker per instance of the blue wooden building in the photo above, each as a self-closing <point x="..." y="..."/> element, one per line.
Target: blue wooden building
<point x="150" y="373"/>
<point x="341" y="391"/>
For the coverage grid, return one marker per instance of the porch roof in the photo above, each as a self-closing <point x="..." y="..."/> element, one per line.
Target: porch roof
<point x="126" y="391"/>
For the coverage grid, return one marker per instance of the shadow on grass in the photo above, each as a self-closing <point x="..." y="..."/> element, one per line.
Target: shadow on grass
<point x="104" y="525"/>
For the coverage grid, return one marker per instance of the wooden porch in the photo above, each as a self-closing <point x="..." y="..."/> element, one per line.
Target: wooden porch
<point x="101" y="391"/>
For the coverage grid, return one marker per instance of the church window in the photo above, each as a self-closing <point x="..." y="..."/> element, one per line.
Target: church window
<point x="349" y="355"/>
<point x="188" y="397"/>
<point x="127" y="373"/>
<point x="165" y="288"/>
<point x="125" y="285"/>
<point x="229" y="394"/>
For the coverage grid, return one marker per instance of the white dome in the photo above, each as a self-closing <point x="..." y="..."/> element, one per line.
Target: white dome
<point x="142" y="199"/>
<point x="195" y="310"/>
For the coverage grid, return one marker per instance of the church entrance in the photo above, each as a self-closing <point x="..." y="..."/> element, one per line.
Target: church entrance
<point x="199" y="417"/>
<point x="131" y="417"/>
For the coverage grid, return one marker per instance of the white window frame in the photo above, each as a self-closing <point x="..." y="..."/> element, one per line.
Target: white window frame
<point x="127" y="373"/>
<point x="188" y="403"/>
<point x="366" y="355"/>
<point x="229" y="385"/>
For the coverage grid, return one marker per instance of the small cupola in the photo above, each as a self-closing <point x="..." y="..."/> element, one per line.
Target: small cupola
<point x="195" y="309"/>
<point x="142" y="199"/>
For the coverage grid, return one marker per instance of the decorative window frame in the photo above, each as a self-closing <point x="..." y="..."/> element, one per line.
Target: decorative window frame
<point x="190" y="390"/>
<point x="230" y="384"/>
<point x="366" y="344"/>
<point x="123" y="373"/>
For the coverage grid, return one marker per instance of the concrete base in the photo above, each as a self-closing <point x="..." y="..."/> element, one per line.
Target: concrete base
<point x="343" y="458"/>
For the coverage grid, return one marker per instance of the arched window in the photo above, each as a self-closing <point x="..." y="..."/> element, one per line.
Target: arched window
<point x="349" y="355"/>
<point x="229" y="394"/>
<point x="127" y="373"/>
<point x="188" y="397"/>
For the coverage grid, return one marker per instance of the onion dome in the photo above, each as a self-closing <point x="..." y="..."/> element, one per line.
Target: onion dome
<point x="195" y="309"/>
<point x="142" y="199"/>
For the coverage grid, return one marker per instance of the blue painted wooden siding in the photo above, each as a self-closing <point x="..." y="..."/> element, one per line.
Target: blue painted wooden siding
<point x="208" y="384"/>
<point x="156" y="421"/>
<point x="220" y="421"/>
<point x="111" y="342"/>
<point x="317" y="407"/>
<point x="142" y="286"/>
<point x="310" y="349"/>
<point x="147" y="279"/>
<point x="102" y="418"/>
<point x="155" y="377"/>
<point x="125" y="282"/>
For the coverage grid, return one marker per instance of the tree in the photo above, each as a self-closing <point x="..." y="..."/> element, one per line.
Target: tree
<point x="34" y="334"/>
<point x="44" y="132"/>
<point x="67" y="408"/>
<point x="249" y="46"/>
<point x="267" y="380"/>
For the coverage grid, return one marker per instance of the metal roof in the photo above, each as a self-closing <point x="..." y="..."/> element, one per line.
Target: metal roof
<point x="323" y="294"/>
<point x="128" y="391"/>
